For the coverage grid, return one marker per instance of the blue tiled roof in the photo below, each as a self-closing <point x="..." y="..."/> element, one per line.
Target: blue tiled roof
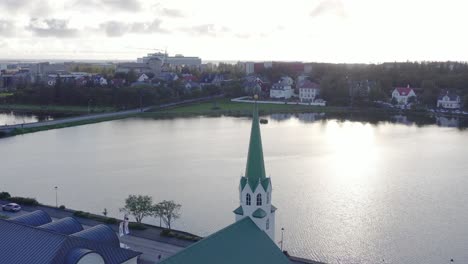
<point x="66" y="226"/>
<point x="100" y="233"/>
<point x="23" y="243"/>
<point x="35" y="218"/>
<point x="76" y="254"/>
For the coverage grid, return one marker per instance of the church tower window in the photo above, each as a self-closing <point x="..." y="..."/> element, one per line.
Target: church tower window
<point x="268" y="224"/>
<point x="247" y="199"/>
<point x="259" y="199"/>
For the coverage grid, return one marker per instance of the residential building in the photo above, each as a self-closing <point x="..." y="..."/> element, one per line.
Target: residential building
<point x="308" y="91"/>
<point x="143" y="77"/>
<point x="449" y="100"/>
<point x="153" y="66"/>
<point x="282" y="89"/>
<point x="402" y="95"/>
<point x="251" y="239"/>
<point x="35" y="238"/>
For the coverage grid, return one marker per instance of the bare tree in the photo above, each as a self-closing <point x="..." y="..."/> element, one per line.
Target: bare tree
<point x="168" y="211"/>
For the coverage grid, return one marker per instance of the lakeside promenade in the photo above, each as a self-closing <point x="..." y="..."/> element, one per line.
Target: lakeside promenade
<point x="148" y="241"/>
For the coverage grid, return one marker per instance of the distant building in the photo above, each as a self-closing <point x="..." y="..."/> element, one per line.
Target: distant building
<point x="143" y="77"/>
<point x="176" y="61"/>
<point x="282" y="89"/>
<point x="152" y="65"/>
<point x="402" y="95"/>
<point x="35" y="238"/>
<point x="449" y="100"/>
<point x="308" y="91"/>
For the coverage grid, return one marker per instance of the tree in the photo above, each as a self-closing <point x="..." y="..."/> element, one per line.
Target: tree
<point x="139" y="206"/>
<point x="168" y="211"/>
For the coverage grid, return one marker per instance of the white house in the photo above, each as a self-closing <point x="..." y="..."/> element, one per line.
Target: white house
<point x="402" y="95"/>
<point x="282" y="89"/>
<point x="102" y="81"/>
<point x="143" y="77"/>
<point x="449" y="100"/>
<point x="308" y="91"/>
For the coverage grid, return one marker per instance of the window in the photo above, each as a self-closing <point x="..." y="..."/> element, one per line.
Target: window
<point x="268" y="198"/>
<point x="268" y="224"/>
<point x="259" y="199"/>
<point x="247" y="199"/>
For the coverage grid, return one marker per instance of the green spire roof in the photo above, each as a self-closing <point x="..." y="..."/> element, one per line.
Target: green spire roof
<point x="255" y="171"/>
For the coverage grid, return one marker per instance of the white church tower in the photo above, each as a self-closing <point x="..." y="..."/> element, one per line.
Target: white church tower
<point x="255" y="188"/>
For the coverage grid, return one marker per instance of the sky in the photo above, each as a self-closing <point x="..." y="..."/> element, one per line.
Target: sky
<point x="351" y="31"/>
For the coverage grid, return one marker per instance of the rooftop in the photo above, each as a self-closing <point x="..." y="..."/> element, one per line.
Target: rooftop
<point x="33" y="238"/>
<point x="241" y="242"/>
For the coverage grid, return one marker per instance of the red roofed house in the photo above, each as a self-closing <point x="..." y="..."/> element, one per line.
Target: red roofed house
<point x="402" y="94"/>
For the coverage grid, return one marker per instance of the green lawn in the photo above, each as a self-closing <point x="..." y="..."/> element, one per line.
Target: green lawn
<point x="3" y="95"/>
<point x="226" y="106"/>
<point x="55" y="108"/>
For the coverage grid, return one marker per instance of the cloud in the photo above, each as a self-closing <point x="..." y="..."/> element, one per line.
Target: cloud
<point x="118" y="29"/>
<point x="7" y="28"/>
<point x="13" y="5"/>
<point x="169" y="12"/>
<point x="124" y="5"/>
<point x="334" y="7"/>
<point x="206" y="30"/>
<point x="51" y="28"/>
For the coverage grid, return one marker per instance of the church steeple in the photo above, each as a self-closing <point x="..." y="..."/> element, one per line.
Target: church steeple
<point x="255" y="188"/>
<point x="255" y="170"/>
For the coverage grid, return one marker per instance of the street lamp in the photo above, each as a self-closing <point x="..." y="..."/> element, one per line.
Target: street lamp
<point x="89" y="106"/>
<point x="282" y="238"/>
<point x="56" y="196"/>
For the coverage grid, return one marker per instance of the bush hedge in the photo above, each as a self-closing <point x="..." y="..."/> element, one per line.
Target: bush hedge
<point x="4" y="195"/>
<point x="23" y="200"/>
<point x="104" y="219"/>
<point x="170" y="233"/>
<point x="136" y="226"/>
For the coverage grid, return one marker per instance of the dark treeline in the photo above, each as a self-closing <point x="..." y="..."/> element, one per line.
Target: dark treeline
<point x="108" y="95"/>
<point x="427" y="78"/>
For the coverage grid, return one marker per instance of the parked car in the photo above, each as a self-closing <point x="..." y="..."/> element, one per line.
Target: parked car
<point x="12" y="207"/>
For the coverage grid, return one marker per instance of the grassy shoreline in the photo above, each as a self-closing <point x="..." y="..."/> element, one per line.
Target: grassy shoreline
<point x="224" y="107"/>
<point x="64" y="109"/>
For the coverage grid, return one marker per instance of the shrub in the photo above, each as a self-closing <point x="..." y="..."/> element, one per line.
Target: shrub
<point x="81" y="214"/>
<point x="23" y="200"/>
<point x="4" y="195"/>
<point x="62" y="207"/>
<point x="166" y="233"/>
<point x="136" y="226"/>
<point x="4" y="216"/>
<point x="111" y="221"/>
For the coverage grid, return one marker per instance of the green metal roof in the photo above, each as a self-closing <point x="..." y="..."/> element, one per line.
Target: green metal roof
<point x="239" y="211"/>
<point x="273" y="208"/>
<point x="255" y="171"/>
<point x="242" y="242"/>
<point x="259" y="213"/>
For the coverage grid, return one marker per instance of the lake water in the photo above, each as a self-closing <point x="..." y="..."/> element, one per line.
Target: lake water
<point x="346" y="192"/>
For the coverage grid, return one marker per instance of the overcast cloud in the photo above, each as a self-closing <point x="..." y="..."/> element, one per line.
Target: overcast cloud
<point x="51" y="28"/>
<point x="317" y="30"/>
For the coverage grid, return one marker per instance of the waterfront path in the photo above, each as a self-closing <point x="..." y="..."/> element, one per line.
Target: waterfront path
<point x="111" y="115"/>
<point x="148" y="241"/>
